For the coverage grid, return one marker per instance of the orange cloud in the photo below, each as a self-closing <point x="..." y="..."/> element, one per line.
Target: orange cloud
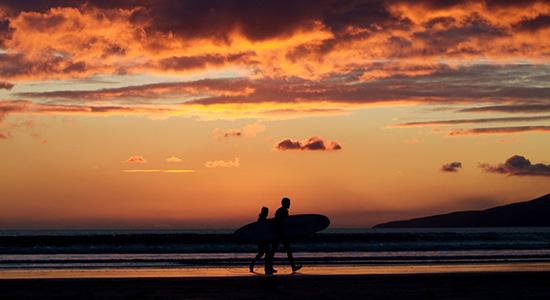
<point x="174" y="159"/>
<point x="297" y="41"/>
<point x="409" y="141"/>
<point x="223" y="164"/>
<point x="314" y="143"/>
<point x="299" y="60"/>
<point x="135" y="159"/>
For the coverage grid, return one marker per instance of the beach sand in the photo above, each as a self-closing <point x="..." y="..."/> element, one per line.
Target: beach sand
<point x="465" y="285"/>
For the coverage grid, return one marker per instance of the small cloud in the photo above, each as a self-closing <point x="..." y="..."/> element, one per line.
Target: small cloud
<point x="517" y="166"/>
<point x="314" y="143"/>
<point x="3" y="136"/>
<point x="174" y="159"/>
<point x="223" y="164"/>
<point x="248" y="131"/>
<point x="135" y="159"/>
<point x="409" y="141"/>
<point x="251" y="130"/>
<point x="221" y="134"/>
<point x="450" y="167"/>
<point x="45" y="142"/>
<point x="69" y="121"/>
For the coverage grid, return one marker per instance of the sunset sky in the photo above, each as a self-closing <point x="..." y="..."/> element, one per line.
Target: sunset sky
<point x="195" y="114"/>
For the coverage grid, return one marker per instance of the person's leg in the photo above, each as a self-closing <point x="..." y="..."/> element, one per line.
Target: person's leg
<point x="288" y="249"/>
<point x="269" y="258"/>
<point x="255" y="259"/>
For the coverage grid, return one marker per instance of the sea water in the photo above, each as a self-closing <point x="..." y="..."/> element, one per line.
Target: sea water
<point x="187" y="249"/>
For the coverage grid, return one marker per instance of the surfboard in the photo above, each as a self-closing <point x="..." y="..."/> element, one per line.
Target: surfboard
<point x="293" y="226"/>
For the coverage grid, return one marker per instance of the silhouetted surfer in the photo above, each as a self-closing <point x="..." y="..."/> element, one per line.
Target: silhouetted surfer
<point x="280" y="214"/>
<point x="263" y="247"/>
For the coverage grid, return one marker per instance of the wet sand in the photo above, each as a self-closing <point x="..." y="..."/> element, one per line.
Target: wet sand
<point x="464" y="285"/>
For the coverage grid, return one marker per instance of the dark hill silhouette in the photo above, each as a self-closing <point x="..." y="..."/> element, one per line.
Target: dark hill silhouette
<point x="534" y="213"/>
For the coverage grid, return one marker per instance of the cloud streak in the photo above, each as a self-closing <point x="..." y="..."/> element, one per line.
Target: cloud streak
<point x="314" y="143"/>
<point x="516" y="108"/>
<point x="517" y="166"/>
<point x="472" y="121"/>
<point x="156" y="171"/>
<point x="493" y="131"/>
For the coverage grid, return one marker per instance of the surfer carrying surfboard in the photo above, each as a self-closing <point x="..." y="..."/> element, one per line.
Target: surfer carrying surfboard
<point x="280" y="214"/>
<point x="263" y="246"/>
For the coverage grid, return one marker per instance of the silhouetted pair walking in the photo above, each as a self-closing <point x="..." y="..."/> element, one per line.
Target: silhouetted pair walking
<point x="263" y="247"/>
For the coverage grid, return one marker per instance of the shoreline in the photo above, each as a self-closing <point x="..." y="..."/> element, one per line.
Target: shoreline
<point x="464" y="285"/>
<point x="242" y="271"/>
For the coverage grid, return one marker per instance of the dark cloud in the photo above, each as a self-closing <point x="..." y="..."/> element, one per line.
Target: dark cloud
<point x="5" y="32"/>
<point x="515" y="108"/>
<point x="443" y="41"/>
<point x="218" y="19"/>
<point x="450" y="167"/>
<point x="314" y="143"/>
<point x="41" y="6"/>
<point x="339" y="15"/>
<point x="536" y="24"/>
<point x="517" y="166"/>
<point x="18" y="65"/>
<point x="6" y="85"/>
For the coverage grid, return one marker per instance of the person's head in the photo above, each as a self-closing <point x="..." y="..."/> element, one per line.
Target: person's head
<point x="263" y="214"/>
<point x="285" y="202"/>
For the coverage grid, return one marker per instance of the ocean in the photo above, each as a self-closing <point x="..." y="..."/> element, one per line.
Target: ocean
<point x="181" y="250"/>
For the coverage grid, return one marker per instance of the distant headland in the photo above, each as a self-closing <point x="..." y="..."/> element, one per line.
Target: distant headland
<point x="534" y="213"/>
